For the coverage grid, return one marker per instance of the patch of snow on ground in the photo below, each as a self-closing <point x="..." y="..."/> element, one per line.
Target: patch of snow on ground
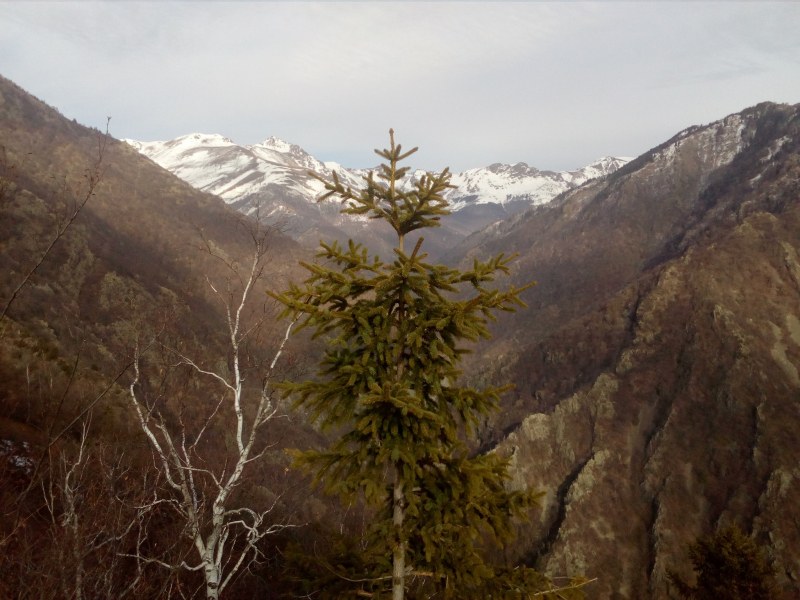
<point x="17" y="455"/>
<point x="775" y="148"/>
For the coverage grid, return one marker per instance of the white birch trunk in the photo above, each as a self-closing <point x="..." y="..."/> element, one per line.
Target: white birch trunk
<point x="175" y="458"/>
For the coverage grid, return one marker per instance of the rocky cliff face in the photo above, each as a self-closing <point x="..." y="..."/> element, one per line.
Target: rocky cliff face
<point x="658" y="388"/>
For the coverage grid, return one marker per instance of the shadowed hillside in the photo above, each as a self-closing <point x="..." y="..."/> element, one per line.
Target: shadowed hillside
<point x="141" y="229"/>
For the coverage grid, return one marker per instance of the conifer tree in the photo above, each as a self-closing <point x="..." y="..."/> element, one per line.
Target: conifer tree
<point x="728" y="564"/>
<point x="389" y="380"/>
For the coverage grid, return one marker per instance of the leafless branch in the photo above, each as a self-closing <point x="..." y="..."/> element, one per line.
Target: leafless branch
<point x="225" y="537"/>
<point x="558" y="590"/>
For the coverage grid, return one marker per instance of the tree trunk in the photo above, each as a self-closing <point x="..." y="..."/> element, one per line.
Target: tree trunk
<point x="211" y="572"/>
<point x="399" y="551"/>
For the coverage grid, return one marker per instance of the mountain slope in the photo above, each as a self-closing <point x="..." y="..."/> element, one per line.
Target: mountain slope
<point x="657" y="365"/>
<point x="142" y="230"/>
<point x="135" y="263"/>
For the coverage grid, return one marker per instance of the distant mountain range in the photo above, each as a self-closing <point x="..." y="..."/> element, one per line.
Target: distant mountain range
<point x="215" y="164"/>
<point x="273" y="178"/>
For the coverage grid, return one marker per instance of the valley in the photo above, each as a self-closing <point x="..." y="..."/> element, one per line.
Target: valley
<point x="654" y="368"/>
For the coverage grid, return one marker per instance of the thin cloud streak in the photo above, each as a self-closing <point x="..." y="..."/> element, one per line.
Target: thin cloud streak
<point x="552" y="84"/>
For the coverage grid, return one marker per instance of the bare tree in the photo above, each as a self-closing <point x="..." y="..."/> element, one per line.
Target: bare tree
<point x="93" y="525"/>
<point x="75" y="537"/>
<point x="201" y="478"/>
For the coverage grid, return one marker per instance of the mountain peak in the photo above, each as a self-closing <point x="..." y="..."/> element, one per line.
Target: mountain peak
<point x="278" y="145"/>
<point x="611" y="163"/>
<point x="599" y="168"/>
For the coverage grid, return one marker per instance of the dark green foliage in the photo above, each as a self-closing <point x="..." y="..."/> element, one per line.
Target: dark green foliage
<point x="332" y="566"/>
<point x="728" y="565"/>
<point x="389" y="382"/>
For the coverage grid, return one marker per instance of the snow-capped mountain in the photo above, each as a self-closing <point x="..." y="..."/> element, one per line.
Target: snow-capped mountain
<point x="273" y="178"/>
<point x="217" y="165"/>
<point x="503" y="184"/>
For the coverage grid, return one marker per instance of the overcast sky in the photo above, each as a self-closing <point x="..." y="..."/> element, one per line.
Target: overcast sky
<point x="555" y="85"/>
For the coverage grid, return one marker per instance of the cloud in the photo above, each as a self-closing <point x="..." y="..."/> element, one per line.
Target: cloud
<point x="552" y="84"/>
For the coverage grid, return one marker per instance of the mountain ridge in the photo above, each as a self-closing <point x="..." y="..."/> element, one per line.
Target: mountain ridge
<point x="174" y="154"/>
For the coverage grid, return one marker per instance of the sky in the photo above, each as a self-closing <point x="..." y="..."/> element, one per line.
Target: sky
<point x="553" y="84"/>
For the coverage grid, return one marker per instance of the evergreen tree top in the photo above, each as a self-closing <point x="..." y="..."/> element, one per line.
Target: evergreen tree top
<point x="405" y="207"/>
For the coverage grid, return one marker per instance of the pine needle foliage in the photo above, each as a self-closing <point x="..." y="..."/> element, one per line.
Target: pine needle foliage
<point x="727" y="564"/>
<point x="395" y="333"/>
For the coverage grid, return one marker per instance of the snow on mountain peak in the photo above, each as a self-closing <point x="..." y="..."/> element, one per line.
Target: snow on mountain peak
<point x="181" y="148"/>
<point x="277" y="144"/>
<point x="599" y="168"/>
<point x="609" y="164"/>
<point x="215" y="164"/>
<point x="502" y="184"/>
<point x="201" y="139"/>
